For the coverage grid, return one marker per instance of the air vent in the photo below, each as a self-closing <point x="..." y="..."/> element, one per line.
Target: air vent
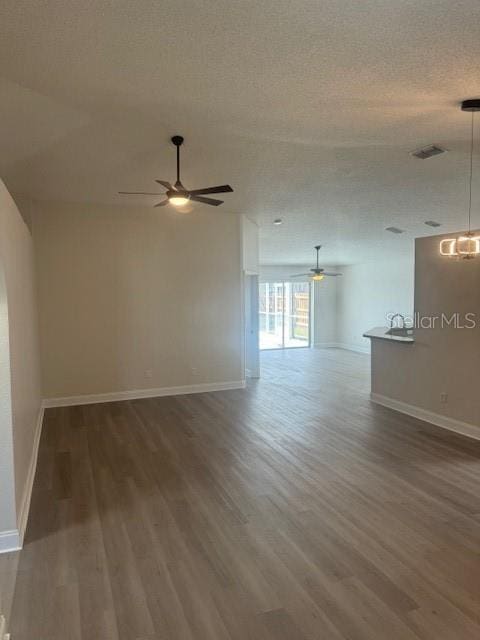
<point x="432" y="223"/>
<point x="428" y="152"/>
<point x="394" y="230"/>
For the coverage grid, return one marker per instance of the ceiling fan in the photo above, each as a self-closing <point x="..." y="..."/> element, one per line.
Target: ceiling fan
<point x="317" y="273"/>
<point x="177" y="194"/>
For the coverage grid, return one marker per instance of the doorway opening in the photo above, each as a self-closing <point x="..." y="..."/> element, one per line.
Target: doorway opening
<point x="284" y="315"/>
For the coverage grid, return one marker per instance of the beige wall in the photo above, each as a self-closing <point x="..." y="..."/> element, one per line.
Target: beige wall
<point x="17" y="264"/>
<point x="367" y="293"/>
<point x="442" y="360"/>
<point x="135" y="299"/>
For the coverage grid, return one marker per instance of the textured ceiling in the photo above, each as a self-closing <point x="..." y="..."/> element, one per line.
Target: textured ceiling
<point x="307" y="108"/>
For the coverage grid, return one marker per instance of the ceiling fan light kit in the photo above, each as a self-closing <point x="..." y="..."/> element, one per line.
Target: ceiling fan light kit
<point x="466" y="246"/>
<point x="177" y="194"/>
<point x="178" y="200"/>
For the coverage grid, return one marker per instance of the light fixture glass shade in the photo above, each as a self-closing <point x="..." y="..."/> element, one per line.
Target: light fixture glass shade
<point x="178" y="201"/>
<point x="448" y="247"/>
<point x="317" y="277"/>
<point x="466" y="246"/>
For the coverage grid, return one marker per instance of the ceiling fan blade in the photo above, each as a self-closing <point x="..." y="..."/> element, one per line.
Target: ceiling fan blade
<point x="139" y="193"/>
<point x="211" y="201"/>
<point x="162" y="203"/>
<point x="223" y="188"/>
<point x="165" y="184"/>
<point x="331" y="273"/>
<point x="297" y="275"/>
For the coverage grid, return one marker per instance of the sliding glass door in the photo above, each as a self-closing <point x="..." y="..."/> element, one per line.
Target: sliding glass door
<point x="284" y="309"/>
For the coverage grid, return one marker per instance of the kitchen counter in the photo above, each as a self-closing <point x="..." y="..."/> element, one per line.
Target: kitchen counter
<point x="381" y="333"/>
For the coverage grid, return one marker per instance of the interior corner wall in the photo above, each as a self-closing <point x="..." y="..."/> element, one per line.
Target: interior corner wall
<point x="18" y="303"/>
<point x="132" y="299"/>
<point x="367" y="293"/>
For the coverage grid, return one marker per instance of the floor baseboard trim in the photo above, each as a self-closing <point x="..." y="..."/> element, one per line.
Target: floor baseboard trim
<point x="463" y="428"/>
<point x="354" y="347"/>
<point x="13" y="540"/>
<point x="342" y="345"/>
<point x="10" y="541"/>
<point x="27" y="492"/>
<point x="325" y="345"/>
<point x="137" y="394"/>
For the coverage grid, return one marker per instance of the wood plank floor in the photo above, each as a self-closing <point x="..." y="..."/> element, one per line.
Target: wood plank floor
<point x="293" y="510"/>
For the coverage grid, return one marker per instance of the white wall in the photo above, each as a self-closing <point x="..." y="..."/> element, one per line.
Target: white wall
<point x="17" y="297"/>
<point x="367" y="292"/>
<point x="442" y="360"/>
<point x="8" y="512"/>
<point x="325" y="296"/>
<point x="250" y="246"/>
<point x="135" y="299"/>
<point x="276" y="273"/>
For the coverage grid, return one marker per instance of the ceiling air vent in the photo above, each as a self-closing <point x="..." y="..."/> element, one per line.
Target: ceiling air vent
<point x="428" y="152"/>
<point x="432" y="223"/>
<point x="394" y="230"/>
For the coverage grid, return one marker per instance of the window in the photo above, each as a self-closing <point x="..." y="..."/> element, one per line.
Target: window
<point x="284" y="309"/>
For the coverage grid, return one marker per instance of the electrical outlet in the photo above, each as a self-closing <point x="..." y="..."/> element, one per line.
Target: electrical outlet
<point x="148" y="373"/>
<point x="444" y="397"/>
<point x="194" y="371"/>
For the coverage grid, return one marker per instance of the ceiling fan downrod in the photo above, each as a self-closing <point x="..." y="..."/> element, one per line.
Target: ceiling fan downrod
<point x="178" y="141"/>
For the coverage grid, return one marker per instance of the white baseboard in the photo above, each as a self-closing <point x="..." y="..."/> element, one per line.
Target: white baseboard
<point x="13" y="540"/>
<point x="325" y="345"/>
<point x="143" y="393"/>
<point x="10" y="541"/>
<point x="27" y="492"/>
<point x="354" y="347"/>
<point x="437" y="419"/>
<point x="343" y="345"/>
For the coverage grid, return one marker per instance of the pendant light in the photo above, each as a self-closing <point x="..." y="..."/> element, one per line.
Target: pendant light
<point x="467" y="245"/>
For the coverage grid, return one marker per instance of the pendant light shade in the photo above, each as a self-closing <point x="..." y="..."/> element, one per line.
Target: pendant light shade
<point x="466" y="246"/>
